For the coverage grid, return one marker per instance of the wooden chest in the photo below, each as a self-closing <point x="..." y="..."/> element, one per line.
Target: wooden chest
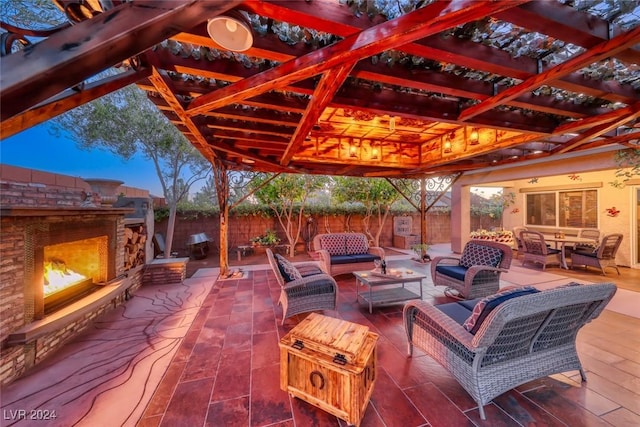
<point x="330" y="363"/>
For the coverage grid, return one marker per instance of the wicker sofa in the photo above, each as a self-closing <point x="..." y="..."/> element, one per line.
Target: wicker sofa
<point x="523" y="338"/>
<point x="341" y="253"/>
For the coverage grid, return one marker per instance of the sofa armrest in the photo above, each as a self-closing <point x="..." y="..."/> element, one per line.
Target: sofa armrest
<point x="376" y="250"/>
<point x="325" y="260"/>
<point x="441" y="324"/>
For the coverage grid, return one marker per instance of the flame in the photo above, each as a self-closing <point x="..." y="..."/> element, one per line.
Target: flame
<point x="58" y="277"/>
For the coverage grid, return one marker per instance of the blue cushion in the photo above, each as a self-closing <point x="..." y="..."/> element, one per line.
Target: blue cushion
<point x="455" y="271"/>
<point x="551" y="251"/>
<point x="364" y="257"/>
<point x="469" y="303"/>
<point x="309" y="270"/>
<point x="455" y="310"/>
<point x="586" y="252"/>
<point x="288" y="271"/>
<point x="487" y="304"/>
<point x="341" y="259"/>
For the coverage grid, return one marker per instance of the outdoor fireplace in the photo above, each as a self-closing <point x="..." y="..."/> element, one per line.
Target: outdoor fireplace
<point x="65" y="261"/>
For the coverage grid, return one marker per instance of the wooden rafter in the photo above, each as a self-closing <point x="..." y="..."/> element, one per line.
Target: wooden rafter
<point x="597" y="53"/>
<point x="325" y="91"/>
<point x="388" y="35"/>
<point x="68" y="100"/>
<point x="91" y="46"/>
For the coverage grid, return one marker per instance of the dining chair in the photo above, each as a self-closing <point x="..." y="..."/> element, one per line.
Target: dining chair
<point x="602" y="257"/>
<point x="537" y="251"/>
<point x="518" y="240"/>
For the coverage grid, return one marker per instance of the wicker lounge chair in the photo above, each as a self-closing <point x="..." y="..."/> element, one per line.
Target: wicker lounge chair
<point x="313" y="290"/>
<point x="602" y="257"/>
<point x="477" y="272"/>
<point x="518" y="240"/>
<point x="523" y="338"/>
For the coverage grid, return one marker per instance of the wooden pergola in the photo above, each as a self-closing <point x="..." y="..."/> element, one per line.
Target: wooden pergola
<point x="437" y="88"/>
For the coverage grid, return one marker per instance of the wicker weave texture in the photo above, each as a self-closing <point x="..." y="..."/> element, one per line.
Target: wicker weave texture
<point x="524" y="338"/>
<point x="605" y="254"/>
<point x="479" y="280"/>
<point x="315" y="292"/>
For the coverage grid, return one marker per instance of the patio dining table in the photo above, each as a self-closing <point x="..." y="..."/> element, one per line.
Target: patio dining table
<point x="562" y="242"/>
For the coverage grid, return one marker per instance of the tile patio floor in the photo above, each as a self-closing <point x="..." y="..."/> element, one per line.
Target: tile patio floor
<point x="205" y="353"/>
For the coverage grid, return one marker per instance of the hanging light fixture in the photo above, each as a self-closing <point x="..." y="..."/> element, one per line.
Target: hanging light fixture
<point x="231" y="31"/>
<point x="474" y="138"/>
<point x="447" y="142"/>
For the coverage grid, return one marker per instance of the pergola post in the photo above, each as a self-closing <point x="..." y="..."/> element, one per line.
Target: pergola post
<point x="221" y="180"/>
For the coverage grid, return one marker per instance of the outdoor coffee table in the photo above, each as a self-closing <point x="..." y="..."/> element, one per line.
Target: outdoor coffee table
<point x="386" y="289"/>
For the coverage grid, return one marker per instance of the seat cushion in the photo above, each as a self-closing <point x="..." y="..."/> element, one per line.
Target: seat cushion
<point x="487" y="304"/>
<point x="455" y="310"/>
<point x="475" y="254"/>
<point x="586" y="252"/>
<point x="335" y="244"/>
<point x="364" y="257"/>
<point x="342" y="259"/>
<point x="309" y="270"/>
<point x="455" y="271"/>
<point x="288" y="271"/>
<point x="356" y="244"/>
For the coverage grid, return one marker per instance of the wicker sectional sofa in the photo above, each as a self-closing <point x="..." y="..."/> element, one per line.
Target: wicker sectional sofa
<point x="526" y="337"/>
<point x="341" y="253"/>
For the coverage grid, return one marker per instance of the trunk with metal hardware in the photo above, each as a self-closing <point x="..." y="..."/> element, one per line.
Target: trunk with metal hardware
<point x="330" y="363"/>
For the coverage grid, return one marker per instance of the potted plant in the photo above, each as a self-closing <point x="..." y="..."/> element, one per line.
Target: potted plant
<point x="269" y="238"/>
<point x="421" y="250"/>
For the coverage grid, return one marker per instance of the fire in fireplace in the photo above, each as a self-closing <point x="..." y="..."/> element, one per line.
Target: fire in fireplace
<point x="71" y="269"/>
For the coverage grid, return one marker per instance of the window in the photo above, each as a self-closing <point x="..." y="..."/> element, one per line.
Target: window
<point x="576" y="208"/>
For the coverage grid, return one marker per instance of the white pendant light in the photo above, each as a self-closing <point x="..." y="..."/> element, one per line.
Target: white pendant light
<point x="231" y="31"/>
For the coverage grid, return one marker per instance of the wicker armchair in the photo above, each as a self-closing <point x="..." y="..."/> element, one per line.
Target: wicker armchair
<point x="477" y="272"/>
<point x="314" y="290"/>
<point x="602" y="257"/>
<point x="537" y="251"/>
<point x="522" y="339"/>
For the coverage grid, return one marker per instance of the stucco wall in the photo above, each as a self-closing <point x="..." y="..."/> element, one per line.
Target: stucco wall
<point x="595" y="171"/>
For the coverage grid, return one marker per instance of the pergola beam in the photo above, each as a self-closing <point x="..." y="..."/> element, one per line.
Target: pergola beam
<point x="69" y="57"/>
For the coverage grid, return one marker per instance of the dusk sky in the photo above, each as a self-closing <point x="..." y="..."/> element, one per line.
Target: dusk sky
<point x="36" y="148"/>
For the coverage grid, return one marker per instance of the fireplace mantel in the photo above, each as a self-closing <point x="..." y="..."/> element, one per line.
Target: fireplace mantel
<point x="60" y="319"/>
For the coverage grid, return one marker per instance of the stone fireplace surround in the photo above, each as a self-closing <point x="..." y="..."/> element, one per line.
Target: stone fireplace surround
<point x="34" y="215"/>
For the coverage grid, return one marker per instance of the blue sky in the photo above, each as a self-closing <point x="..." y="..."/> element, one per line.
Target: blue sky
<point x="36" y="148"/>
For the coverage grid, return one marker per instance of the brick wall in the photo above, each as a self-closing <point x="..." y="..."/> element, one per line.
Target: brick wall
<point x="241" y="229"/>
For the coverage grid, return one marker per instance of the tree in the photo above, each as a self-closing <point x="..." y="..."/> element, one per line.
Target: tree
<point x="126" y="122"/>
<point x="286" y="195"/>
<point x="376" y="194"/>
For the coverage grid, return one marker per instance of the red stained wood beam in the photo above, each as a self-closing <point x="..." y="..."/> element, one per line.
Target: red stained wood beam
<point x="324" y="93"/>
<point x="601" y="129"/>
<point x="70" y="56"/>
<point x="339" y="20"/>
<point x="597" y="53"/>
<point x="589" y="122"/>
<point x="431" y="19"/>
<point x="69" y="100"/>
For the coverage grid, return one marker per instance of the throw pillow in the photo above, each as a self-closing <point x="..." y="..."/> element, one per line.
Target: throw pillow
<point x="475" y="254"/>
<point x="288" y="271"/>
<point x="356" y="244"/>
<point x="487" y="304"/>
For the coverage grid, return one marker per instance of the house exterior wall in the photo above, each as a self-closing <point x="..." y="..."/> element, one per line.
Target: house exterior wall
<point x="594" y="171"/>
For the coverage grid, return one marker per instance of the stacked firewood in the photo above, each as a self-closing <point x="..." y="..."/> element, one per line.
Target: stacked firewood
<point x="134" y="254"/>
